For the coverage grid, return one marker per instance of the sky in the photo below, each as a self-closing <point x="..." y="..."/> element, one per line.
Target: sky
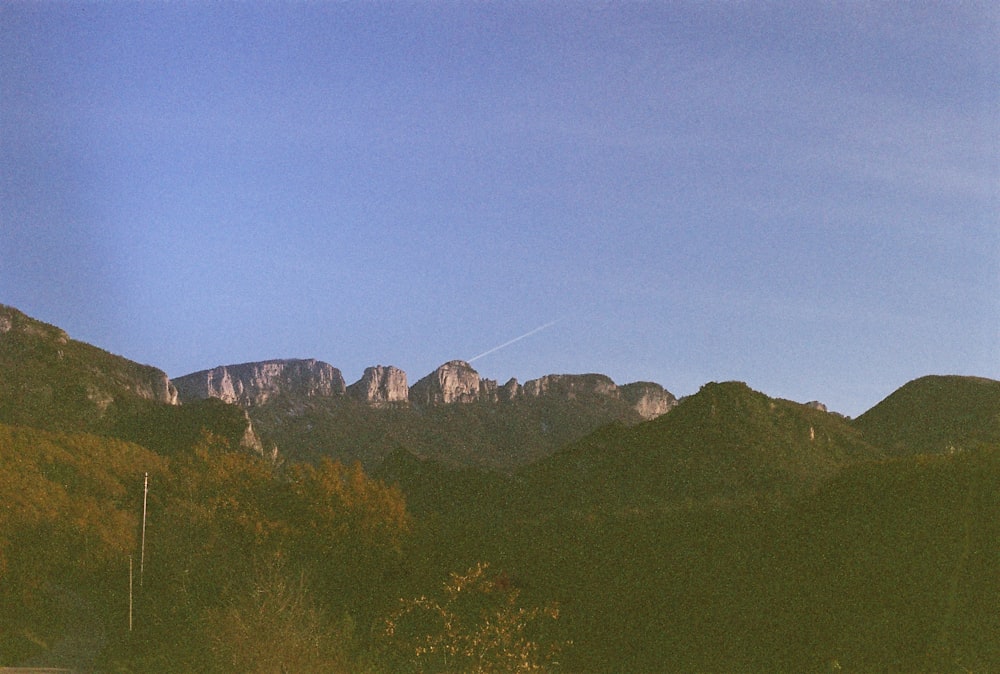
<point x="802" y="196"/>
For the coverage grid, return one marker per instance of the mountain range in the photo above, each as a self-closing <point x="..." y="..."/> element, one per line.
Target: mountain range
<point x="303" y="408"/>
<point x="729" y="529"/>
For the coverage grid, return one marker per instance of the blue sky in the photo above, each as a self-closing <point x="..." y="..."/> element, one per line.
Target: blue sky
<point x="802" y="196"/>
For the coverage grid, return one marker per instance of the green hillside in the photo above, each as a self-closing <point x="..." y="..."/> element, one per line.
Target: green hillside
<point x="736" y="533"/>
<point x="935" y="414"/>
<point x="888" y="565"/>
<point x="52" y="381"/>
<point x="726" y="441"/>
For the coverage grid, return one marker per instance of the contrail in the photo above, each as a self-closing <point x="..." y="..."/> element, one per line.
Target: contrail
<point x="516" y="339"/>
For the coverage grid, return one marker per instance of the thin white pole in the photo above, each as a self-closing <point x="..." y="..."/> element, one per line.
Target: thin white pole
<point x="142" y="551"/>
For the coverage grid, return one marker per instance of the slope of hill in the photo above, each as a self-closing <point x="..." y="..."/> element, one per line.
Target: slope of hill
<point x="52" y="382"/>
<point x="668" y="551"/>
<point x="481" y="434"/>
<point x="735" y="533"/>
<point x="722" y="442"/>
<point x="69" y="520"/>
<point x="935" y="414"/>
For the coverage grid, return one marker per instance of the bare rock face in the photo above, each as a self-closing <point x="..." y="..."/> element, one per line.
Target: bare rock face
<point x="817" y="405"/>
<point x="381" y="386"/>
<point x="650" y="400"/>
<point x="571" y="386"/>
<point x="155" y="385"/>
<point x="509" y="391"/>
<point x="251" y="384"/>
<point x="453" y="382"/>
<point x="488" y="390"/>
<point x="251" y="441"/>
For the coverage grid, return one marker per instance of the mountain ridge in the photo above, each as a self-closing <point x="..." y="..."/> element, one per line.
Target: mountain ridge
<point x="727" y="440"/>
<point x="52" y="382"/>
<point x="737" y="532"/>
<point x="456" y="381"/>
<point x="452" y="415"/>
<point x="936" y="414"/>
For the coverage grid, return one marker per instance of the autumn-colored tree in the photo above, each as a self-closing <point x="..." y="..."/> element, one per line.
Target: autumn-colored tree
<point x="474" y="625"/>
<point x="68" y="521"/>
<point x="346" y="530"/>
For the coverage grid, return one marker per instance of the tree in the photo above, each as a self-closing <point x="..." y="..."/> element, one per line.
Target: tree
<point x="475" y="625"/>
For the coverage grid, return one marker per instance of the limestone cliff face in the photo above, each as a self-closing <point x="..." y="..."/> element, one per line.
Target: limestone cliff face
<point x="509" y="391"/>
<point x="454" y="382"/>
<point x="380" y="386"/>
<point x="648" y="399"/>
<point x="155" y="385"/>
<point x="488" y="390"/>
<point x="571" y="386"/>
<point x="252" y="442"/>
<point x="251" y="384"/>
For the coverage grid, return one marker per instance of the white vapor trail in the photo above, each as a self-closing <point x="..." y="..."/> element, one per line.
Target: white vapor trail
<point x="516" y="339"/>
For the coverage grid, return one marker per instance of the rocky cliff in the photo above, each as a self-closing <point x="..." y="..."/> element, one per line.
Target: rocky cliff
<point x="252" y="384"/>
<point x="571" y="386"/>
<point x="453" y="382"/>
<point x="380" y="386"/>
<point x="648" y="399"/>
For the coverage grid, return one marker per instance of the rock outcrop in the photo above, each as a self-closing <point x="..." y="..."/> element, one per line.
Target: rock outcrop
<point x="154" y="384"/>
<point x="252" y="384"/>
<point x="380" y="386"/>
<point x="454" y="382"/>
<point x="571" y="386"/>
<point x="648" y="399"/>
<point x="252" y="442"/>
<point x="509" y="391"/>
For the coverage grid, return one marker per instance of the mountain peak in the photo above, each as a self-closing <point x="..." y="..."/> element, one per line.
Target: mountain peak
<point x="454" y="382"/>
<point x="936" y="413"/>
<point x="252" y="384"/>
<point x="381" y="386"/>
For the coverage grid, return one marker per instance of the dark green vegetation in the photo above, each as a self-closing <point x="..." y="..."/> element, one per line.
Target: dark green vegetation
<point x="735" y="533"/>
<point x="479" y="434"/>
<point x="936" y="415"/>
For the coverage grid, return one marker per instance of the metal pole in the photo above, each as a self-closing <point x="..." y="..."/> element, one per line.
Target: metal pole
<point x="142" y="551"/>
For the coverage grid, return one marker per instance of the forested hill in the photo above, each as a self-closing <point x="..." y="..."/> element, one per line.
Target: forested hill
<point x="734" y="532"/>
<point x="936" y="414"/>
